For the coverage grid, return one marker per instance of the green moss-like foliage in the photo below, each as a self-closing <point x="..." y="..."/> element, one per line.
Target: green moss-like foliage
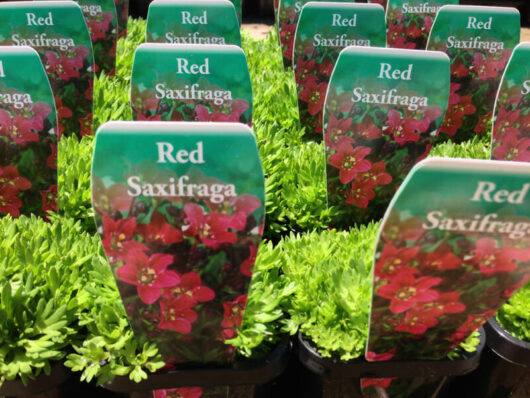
<point x="514" y="316"/>
<point x="54" y="280"/>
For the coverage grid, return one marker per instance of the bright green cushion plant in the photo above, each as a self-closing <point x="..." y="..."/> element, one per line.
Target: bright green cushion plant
<point x="314" y="280"/>
<point x="514" y="315"/>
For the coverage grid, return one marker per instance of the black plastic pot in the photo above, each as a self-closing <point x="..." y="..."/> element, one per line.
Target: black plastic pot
<point x="332" y="378"/>
<point x="505" y="367"/>
<point x="244" y="377"/>
<point x="43" y="385"/>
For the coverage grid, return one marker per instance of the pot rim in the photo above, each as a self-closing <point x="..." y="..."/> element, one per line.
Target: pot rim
<point x="43" y="382"/>
<point x="505" y="345"/>
<point x="361" y="368"/>
<point x="239" y="373"/>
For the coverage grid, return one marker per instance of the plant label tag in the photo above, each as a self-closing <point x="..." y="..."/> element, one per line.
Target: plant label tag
<point x="410" y="22"/>
<point x="28" y="142"/>
<point x="58" y="32"/>
<point x="479" y="42"/>
<point x="180" y="213"/>
<point x="380" y="2"/>
<point x="288" y="14"/>
<point x="238" y="7"/>
<point x="187" y="82"/>
<point x="382" y="110"/>
<point x="122" y="10"/>
<point x="511" y="127"/>
<point x="452" y="248"/>
<point x="102" y="23"/>
<point x="324" y="29"/>
<point x="192" y="22"/>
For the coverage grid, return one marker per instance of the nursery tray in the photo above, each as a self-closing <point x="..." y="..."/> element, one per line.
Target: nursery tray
<point x="360" y="368"/>
<point x="239" y="373"/>
<point x="505" y="345"/>
<point x="43" y="382"/>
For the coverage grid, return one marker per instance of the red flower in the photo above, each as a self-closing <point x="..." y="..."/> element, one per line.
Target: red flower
<point x="482" y="124"/>
<point x="9" y="202"/>
<point x="447" y="303"/>
<point x="505" y="120"/>
<point x="455" y="113"/>
<point x="234" y="311"/>
<point x="383" y="383"/>
<point x="325" y="69"/>
<point x="439" y="260"/>
<point x="474" y="321"/>
<point x="416" y="322"/>
<point x="158" y="231"/>
<point x="394" y="261"/>
<point x="491" y="260"/>
<point x="49" y="199"/>
<point x="404" y="130"/>
<point x="336" y="134"/>
<point x="17" y="129"/>
<point x="405" y="291"/>
<point x="458" y="69"/>
<point x="350" y="161"/>
<point x="395" y="37"/>
<point x="303" y="70"/>
<point x="485" y="68"/>
<point x="185" y="392"/>
<point x="63" y="112"/>
<point x="51" y="160"/>
<point x="63" y="67"/>
<point x="314" y="94"/>
<point x="86" y="125"/>
<point x="98" y="28"/>
<point x="247" y="266"/>
<point x="376" y="175"/>
<point x="242" y="206"/>
<point x="211" y="228"/>
<point x="176" y="315"/>
<point x="190" y="291"/>
<point x="287" y="39"/>
<point x="148" y="274"/>
<point x="81" y="52"/>
<point x="409" y="229"/>
<point x="385" y="356"/>
<point x="513" y="148"/>
<point x="367" y="130"/>
<point x="360" y="195"/>
<point x="116" y="233"/>
<point x="9" y="177"/>
<point x="413" y="32"/>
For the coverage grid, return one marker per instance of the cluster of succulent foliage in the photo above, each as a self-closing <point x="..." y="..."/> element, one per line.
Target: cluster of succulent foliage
<point x="58" y="296"/>
<point x="514" y="316"/>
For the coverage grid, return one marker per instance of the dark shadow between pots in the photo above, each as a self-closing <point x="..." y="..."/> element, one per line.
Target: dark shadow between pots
<point x="505" y="365"/>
